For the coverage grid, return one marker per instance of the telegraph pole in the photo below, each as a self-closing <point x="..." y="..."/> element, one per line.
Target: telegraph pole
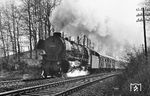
<point x="144" y="25"/>
<point x="144" y="28"/>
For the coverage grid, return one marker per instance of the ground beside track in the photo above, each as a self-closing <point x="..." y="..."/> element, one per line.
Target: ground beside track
<point x="102" y="88"/>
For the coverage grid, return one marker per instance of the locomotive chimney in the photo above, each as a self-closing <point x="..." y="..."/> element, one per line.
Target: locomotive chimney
<point x="57" y="34"/>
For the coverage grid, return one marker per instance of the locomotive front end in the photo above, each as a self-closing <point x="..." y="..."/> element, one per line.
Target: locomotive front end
<point x="54" y="49"/>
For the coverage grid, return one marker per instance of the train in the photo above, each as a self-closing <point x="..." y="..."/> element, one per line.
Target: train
<point x="61" y="55"/>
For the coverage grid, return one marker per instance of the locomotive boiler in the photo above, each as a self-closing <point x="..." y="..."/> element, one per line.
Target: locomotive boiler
<point x="61" y="54"/>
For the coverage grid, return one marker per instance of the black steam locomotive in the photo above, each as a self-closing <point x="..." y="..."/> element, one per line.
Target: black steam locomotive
<point x="61" y="54"/>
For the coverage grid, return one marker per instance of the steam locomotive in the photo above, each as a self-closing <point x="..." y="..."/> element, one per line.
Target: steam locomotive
<point x="61" y="55"/>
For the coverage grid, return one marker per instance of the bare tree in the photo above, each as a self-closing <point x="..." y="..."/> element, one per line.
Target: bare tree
<point x="14" y="28"/>
<point x="11" y="24"/>
<point x="18" y="43"/>
<point x="48" y="11"/>
<point x="32" y="19"/>
<point x="8" y="27"/>
<point x="2" y="37"/>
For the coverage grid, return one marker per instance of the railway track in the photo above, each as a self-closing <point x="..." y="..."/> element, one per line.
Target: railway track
<point x="10" y="83"/>
<point x="18" y="84"/>
<point x="59" y="88"/>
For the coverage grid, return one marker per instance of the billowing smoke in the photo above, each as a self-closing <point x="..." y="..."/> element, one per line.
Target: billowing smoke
<point x="101" y="21"/>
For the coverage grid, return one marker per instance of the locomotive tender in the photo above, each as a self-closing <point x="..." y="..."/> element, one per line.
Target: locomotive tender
<point x="61" y="55"/>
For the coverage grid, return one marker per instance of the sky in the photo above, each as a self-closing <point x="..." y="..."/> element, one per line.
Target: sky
<point x="111" y="24"/>
<point x="121" y="15"/>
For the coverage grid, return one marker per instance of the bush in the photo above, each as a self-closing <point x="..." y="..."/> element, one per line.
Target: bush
<point x="22" y="65"/>
<point x="137" y="71"/>
<point x="6" y="66"/>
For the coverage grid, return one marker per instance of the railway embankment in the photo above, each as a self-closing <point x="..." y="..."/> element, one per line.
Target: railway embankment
<point x="11" y="68"/>
<point x="107" y="87"/>
<point x="136" y="78"/>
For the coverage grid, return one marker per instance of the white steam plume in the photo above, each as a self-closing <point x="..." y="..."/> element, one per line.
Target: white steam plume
<point x="110" y="24"/>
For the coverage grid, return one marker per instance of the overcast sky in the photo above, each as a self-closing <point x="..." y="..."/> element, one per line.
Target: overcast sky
<point x="121" y="15"/>
<point x="111" y="24"/>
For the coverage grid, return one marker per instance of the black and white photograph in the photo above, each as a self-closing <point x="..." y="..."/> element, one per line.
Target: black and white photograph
<point x="74" y="47"/>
